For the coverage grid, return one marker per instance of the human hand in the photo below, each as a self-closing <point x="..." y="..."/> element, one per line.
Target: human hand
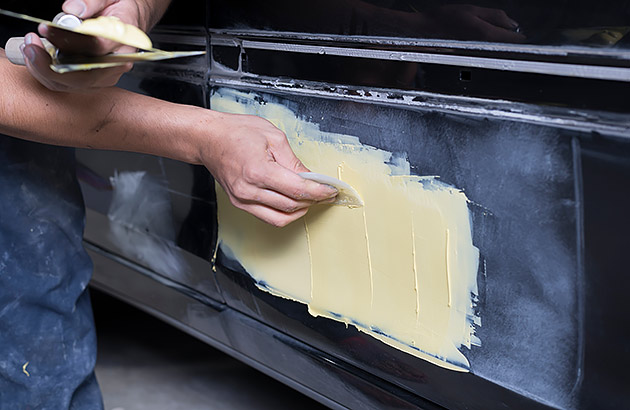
<point x="468" y="22"/>
<point x="253" y="162"/>
<point x="128" y="11"/>
<point x="38" y="62"/>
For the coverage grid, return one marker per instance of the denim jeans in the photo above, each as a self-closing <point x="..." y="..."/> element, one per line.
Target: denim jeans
<point x="47" y="335"/>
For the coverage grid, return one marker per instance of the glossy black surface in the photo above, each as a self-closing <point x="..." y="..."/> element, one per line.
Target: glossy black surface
<point x="549" y="212"/>
<point x="606" y="224"/>
<point x="583" y="23"/>
<point x="366" y="73"/>
<point x="281" y="356"/>
<point x="370" y="358"/>
<point x="520" y="181"/>
<point x="181" y="234"/>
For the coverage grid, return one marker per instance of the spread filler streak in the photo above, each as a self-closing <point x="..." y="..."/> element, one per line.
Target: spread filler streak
<point x="402" y="268"/>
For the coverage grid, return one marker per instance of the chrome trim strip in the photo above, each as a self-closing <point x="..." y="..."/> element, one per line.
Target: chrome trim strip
<point x="540" y="50"/>
<point x="614" y="125"/>
<point x="536" y="67"/>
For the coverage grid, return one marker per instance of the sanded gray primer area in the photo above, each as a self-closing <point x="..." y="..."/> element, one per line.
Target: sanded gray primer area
<point x="520" y="181"/>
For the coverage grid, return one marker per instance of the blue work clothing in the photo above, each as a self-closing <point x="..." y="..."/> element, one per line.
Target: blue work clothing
<point x="47" y="334"/>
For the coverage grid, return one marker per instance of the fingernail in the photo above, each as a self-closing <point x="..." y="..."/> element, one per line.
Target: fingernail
<point x="514" y="24"/>
<point x="42" y="29"/>
<point x="28" y="39"/>
<point x="29" y="53"/>
<point x="76" y="7"/>
<point x="329" y="200"/>
<point x="333" y="192"/>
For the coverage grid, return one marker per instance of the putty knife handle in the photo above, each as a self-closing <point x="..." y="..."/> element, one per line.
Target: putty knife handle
<point x="13" y="52"/>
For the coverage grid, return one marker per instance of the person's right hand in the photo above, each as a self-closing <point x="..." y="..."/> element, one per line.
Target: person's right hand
<point x="253" y="162"/>
<point x="128" y="11"/>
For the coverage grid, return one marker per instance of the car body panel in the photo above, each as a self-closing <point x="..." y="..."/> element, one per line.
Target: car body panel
<point x="544" y="171"/>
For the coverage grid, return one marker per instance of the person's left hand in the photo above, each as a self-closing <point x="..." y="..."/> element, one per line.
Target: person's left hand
<point x="38" y="64"/>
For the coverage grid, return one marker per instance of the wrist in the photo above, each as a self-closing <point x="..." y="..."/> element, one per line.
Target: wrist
<point x="202" y="133"/>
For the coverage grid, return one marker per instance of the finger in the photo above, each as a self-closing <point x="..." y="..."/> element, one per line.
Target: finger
<point x="93" y="79"/>
<point x="271" y="216"/>
<point x="498" y="34"/>
<point x="497" y="18"/>
<point x="32" y="38"/>
<point x="85" y="8"/>
<point x="81" y="44"/>
<point x="288" y="183"/>
<point x="275" y="200"/>
<point x="38" y="63"/>
<point x="69" y="42"/>
<point x="43" y="29"/>
<point x="126" y="49"/>
<point x="284" y="155"/>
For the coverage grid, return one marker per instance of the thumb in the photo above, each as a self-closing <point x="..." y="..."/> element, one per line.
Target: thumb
<point x="37" y="62"/>
<point x="285" y="156"/>
<point x="85" y="8"/>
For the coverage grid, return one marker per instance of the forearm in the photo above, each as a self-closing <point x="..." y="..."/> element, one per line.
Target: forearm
<point x="110" y="119"/>
<point x="247" y="155"/>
